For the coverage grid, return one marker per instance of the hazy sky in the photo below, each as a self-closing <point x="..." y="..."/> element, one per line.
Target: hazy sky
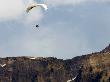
<point x="69" y="28"/>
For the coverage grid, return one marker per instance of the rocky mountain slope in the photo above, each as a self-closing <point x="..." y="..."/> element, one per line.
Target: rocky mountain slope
<point x="93" y="67"/>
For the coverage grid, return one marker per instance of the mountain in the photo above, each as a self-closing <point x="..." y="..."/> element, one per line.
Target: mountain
<point x="93" y="67"/>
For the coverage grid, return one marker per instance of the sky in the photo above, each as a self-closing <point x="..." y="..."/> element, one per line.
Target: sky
<point x="67" y="29"/>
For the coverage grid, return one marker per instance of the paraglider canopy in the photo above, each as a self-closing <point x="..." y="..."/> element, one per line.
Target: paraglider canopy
<point x="31" y="6"/>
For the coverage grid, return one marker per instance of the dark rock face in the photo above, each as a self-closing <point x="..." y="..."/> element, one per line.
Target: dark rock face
<point x="23" y="69"/>
<point x="93" y="67"/>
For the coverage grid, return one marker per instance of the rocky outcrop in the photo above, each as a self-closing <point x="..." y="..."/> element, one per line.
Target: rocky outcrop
<point x="93" y="67"/>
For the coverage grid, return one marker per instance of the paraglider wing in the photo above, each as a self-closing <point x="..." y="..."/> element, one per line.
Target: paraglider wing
<point x="43" y="5"/>
<point x="30" y="7"/>
<point x="35" y="5"/>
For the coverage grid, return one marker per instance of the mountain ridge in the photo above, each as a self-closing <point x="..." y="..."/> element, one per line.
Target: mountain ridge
<point x="94" y="67"/>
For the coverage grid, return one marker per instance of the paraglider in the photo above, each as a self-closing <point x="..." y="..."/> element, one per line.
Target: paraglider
<point x="37" y="25"/>
<point x="33" y="5"/>
<point x="36" y="5"/>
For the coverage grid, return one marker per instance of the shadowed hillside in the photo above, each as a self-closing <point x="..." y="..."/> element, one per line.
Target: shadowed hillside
<point x="93" y="67"/>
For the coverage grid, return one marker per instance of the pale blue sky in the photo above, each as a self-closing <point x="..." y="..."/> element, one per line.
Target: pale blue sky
<point x="66" y="30"/>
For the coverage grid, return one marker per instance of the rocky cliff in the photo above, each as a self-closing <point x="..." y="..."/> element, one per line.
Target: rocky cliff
<point x="93" y="67"/>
